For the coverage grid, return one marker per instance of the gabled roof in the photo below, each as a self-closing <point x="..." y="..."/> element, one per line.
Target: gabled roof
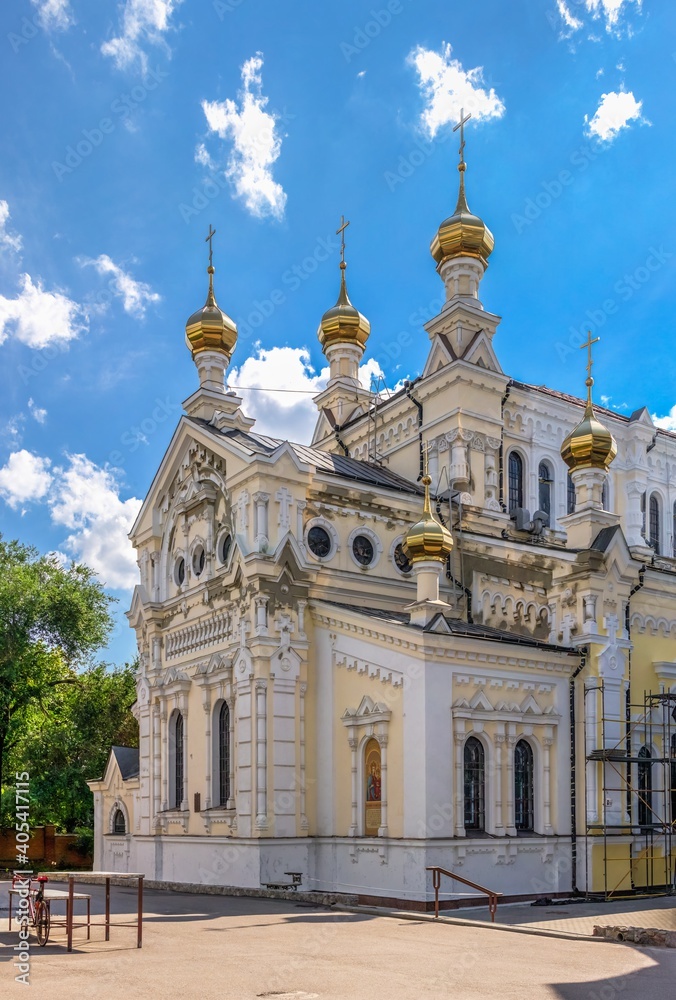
<point x="367" y="473"/>
<point x="605" y="537"/>
<point x="567" y="398"/>
<point x="127" y="761"/>
<point x="642" y="415"/>
<point x="455" y="627"/>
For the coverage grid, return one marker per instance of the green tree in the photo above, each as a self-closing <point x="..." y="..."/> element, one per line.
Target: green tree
<point x="51" y="621"/>
<point x="67" y="740"/>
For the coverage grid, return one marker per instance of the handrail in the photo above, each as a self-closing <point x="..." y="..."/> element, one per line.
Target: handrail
<point x="437" y="872"/>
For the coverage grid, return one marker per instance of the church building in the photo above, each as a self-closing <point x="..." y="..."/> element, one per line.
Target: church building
<point x="444" y="633"/>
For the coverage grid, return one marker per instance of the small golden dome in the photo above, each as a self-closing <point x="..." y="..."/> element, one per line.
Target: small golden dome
<point x="590" y="445"/>
<point x="210" y="329"/>
<point x="428" y="539"/>
<point x="463" y="234"/>
<point x="343" y="324"/>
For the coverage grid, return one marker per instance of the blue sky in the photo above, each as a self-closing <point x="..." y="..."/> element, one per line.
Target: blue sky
<point x="129" y="127"/>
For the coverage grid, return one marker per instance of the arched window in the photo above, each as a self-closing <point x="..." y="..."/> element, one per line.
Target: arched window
<point x="645" y="787"/>
<point x="475" y="786"/>
<point x="515" y="476"/>
<point x="605" y="495"/>
<point x="570" y="499"/>
<point x="545" y="487"/>
<point x="178" y="775"/>
<point x="524" y="786"/>
<point x="119" y="823"/>
<point x="654" y="537"/>
<point x="223" y="755"/>
<point x="372" y="788"/>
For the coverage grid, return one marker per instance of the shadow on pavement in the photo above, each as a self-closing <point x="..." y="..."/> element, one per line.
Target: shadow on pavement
<point x="656" y="982"/>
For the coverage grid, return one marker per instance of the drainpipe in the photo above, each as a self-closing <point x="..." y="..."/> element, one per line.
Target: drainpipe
<point x="342" y="444"/>
<point x="407" y="389"/>
<point x="501" y="453"/>
<point x="573" y="782"/>
<point x="449" y="566"/>
<point x="627" y="702"/>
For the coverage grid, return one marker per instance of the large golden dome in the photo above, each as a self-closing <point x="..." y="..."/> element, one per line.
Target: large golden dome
<point x="210" y="329"/>
<point x="343" y="324"/>
<point x="463" y="234"/>
<point x="590" y="445"/>
<point x="428" y="539"/>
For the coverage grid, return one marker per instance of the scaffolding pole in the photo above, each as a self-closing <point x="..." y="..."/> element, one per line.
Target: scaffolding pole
<point x="633" y="780"/>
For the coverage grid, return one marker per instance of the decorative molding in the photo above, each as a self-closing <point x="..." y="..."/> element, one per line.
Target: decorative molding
<point x="199" y="635"/>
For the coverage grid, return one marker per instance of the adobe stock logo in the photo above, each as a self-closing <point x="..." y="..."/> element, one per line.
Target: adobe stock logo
<point x="364" y="35"/>
<point x="120" y="109"/>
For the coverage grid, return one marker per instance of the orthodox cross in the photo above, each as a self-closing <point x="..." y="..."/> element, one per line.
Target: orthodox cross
<point x="212" y="233"/>
<point x="461" y="125"/>
<point x="341" y="232"/>
<point x="567" y="628"/>
<point x="426" y="458"/>
<point x="612" y="624"/>
<point x="588" y="344"/>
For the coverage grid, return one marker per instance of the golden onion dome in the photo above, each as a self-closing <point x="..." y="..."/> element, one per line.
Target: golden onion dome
<point x="463" y="234"/>
<point x="343" y="324"/>
<point x="210" y="329"/>
<point x="590" y="445"/>
<point x="428" y="539"/>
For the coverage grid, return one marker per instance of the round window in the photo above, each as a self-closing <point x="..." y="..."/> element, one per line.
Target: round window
<point x="363" y="551"/>
<point x="224" y="548"/>
<point x="179" y="572"/>
<point x="198" y="560"/>
<point x="401" y="560"/>
<point x="319" y="541"/>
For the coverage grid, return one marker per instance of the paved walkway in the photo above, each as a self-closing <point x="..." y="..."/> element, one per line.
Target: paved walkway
<point x="225" y="948"/>
<point x="580" y="918"/>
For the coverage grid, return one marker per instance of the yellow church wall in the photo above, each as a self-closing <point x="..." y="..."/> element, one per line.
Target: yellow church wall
<point x="349" y="688"/>
<point x="610" y="866"/>
<point x="648" y="649"/>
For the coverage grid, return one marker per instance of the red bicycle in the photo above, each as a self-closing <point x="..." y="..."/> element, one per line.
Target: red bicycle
<point x="38" y="908"/>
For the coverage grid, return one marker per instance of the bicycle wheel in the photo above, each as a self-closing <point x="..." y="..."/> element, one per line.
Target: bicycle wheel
<point x="42" y="922"/>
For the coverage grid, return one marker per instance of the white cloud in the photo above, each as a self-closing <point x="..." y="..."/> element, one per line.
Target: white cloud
<point x="25" y="477"/>
<point x="571" y="23"/>
<point x="256" y="142"/>
<point x="40" y="318"/>
<point x="448" y="88"/>
<point x="290" y="415"/>
<point x="667" y="423"/>
<point x="615" y="111"/>
<point x="86" y="500"/>
<point x="612" y="13"/>
<point x="36" y="412"/>
<point x="135" y="295"/>
<point x="144" y="22"/>
<point x="12" y="241"/>
<point x="12" y="431"/>
<point x="83" y="498"/>
<point x="203" y="157"/>
<point x="54" y="14"/>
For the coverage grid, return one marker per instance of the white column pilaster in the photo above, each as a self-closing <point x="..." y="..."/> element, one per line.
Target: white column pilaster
<point x="303" y="813"/>
<point x="382" y="829"/>
<point x="509" y="798"/>
<point x="261" y="756"/>
<point x="459" y="742"/>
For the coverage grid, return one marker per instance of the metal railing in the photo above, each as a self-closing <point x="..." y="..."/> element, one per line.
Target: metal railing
<point x="437" y="872"/>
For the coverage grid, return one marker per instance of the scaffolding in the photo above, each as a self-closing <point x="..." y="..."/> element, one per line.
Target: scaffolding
<point x="630" y="793"/>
